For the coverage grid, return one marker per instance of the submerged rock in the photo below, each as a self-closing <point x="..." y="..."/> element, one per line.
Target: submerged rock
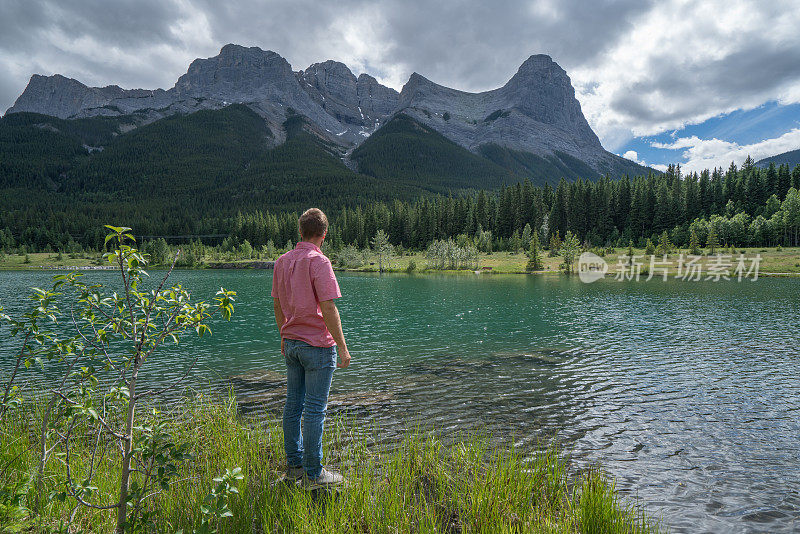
<point x="264" y="391"/>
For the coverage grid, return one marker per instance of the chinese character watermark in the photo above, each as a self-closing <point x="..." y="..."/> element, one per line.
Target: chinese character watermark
<point x="686" y="267"/>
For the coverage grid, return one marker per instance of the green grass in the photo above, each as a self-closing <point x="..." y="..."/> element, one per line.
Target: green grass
<point x="39" y="260"/>
<point x="419" y="484"/>
<point x="773" y="261"/>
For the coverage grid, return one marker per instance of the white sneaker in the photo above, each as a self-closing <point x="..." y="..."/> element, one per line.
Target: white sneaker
<point x="324" y="480"/>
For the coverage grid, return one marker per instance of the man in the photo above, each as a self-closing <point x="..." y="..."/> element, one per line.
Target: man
<point x="304" y="288"/>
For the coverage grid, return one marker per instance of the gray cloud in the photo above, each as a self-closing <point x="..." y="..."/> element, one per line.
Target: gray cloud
<point x="625" y="82"/>
<point x="760" y="69"/>
<point x="470" y="45"/>
<point x="480" y="47"/>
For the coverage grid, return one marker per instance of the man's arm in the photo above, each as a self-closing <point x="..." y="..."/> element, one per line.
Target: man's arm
<point x="330" y="314"/>
<point x="280" y="318"/>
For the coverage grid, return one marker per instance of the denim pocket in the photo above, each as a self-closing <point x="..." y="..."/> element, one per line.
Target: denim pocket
<point x="327" y="356"/>
<point x="317" y="357"/>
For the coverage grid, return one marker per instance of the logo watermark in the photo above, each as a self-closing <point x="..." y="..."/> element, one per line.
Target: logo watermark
<point x="686" y="267"/>
<point x="591" y="267"/>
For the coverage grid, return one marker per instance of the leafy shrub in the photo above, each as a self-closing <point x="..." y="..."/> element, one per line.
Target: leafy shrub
<point x="446" y="254"/>
<point x="350" y="257"/>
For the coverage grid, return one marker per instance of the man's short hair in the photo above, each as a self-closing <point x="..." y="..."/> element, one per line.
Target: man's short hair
<point x="313" y="223"/>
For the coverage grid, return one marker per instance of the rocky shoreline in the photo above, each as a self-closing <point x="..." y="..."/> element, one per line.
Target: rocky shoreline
<point x="243" y="265"/>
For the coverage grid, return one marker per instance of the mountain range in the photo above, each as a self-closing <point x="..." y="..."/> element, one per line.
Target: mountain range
<point x="791" y="158"/>
<point x="531" y="127"/>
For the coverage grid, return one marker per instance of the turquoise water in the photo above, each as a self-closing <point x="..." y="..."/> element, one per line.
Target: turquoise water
<point x="686" y="392"/>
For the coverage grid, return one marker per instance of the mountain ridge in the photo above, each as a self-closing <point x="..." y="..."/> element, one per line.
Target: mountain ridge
<point x="535" y="111"/>
<point x="790" y="157"/>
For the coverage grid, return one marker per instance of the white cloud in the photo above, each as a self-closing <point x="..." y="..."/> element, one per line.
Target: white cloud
<point x="634" y="156"/>
<point x="699" y="154"/>
<point x="685" y="62"/>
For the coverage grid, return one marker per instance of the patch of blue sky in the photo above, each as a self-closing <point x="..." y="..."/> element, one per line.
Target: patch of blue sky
<point x="767" y="121"/>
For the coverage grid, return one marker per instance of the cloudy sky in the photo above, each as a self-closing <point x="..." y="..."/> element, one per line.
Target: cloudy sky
<point x="701" y="83"/>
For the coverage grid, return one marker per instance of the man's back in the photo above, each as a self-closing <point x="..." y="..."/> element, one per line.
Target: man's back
<point x="303" y="290"/>
<point x="303" y="278"/>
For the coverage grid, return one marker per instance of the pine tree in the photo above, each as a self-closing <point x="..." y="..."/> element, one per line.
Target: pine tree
<point x="558" y="212"/>
<point x="694" y="243"/>
<point x="380" y="244"/>
<point x="514" y="242"/>
<point x="712" y="241"/>
<point x="534" y="261"/>
<point x="650" y="248"/>
<point x="526" y="236"/>
<point x="555" y="244"/>
<point x="784" y="182"/>
<point x="771" y="180"/>
<point x="569" y="251"/>
<point x="663" y="216"/>
<point x="705" y="193"/>
<point x="664" y="246"/>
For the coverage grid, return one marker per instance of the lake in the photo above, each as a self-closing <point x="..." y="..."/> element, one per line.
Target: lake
<point x="685" y="392"/>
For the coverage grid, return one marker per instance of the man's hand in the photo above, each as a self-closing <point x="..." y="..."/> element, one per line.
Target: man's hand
<point x="282" y="351"/>
<point x="344" y="358"/>
<point x="330" y="314"/>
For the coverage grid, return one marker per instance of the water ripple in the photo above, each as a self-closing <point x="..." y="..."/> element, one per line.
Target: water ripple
<point x="687" y="393"/>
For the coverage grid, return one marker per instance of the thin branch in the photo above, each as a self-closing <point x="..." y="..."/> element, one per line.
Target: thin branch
<point x="94" y="452"/>
<point x="102" y="421"/>
<point x="14" y="373"/>
<point x="72" y="515"/>
<point x="165" y="333"/>
<point x="127" y="292"/>
<point x="101" y="347"/>
<point x="160" y="286"/>
<point x="11" y="461"/>
<point x="70" y="483"/>
<point x="173" y="385"/>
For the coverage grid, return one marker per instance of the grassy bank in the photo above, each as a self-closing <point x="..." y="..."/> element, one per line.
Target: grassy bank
<point x="781" y="261"/>
<point x="418" y="485"/>
<point x="784" y="261"/>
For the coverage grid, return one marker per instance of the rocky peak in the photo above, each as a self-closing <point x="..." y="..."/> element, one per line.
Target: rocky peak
<point x="331" y="79"/>
<point x="359" y="102"/>
<point x="330" y="69"/>
<point x="539" y="62"/>
<point x="58" y="96"/>
<point x="535" y="111"/>
<point x="415" y="81"/>
<point x="542" y="90"/>
<point x="377" y="100"/>
<point x="237" y="74"/>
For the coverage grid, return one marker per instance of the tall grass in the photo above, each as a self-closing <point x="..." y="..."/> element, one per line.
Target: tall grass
<point x="418" y="484"/>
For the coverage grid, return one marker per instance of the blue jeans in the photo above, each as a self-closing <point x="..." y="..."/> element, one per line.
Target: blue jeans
<point x="309" y="371"/>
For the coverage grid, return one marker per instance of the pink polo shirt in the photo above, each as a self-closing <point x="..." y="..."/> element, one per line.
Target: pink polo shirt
<point x="303" y="278"/>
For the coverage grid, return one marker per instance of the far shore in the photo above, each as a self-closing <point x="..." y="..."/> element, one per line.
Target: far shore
<point x="780" y="262"/>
